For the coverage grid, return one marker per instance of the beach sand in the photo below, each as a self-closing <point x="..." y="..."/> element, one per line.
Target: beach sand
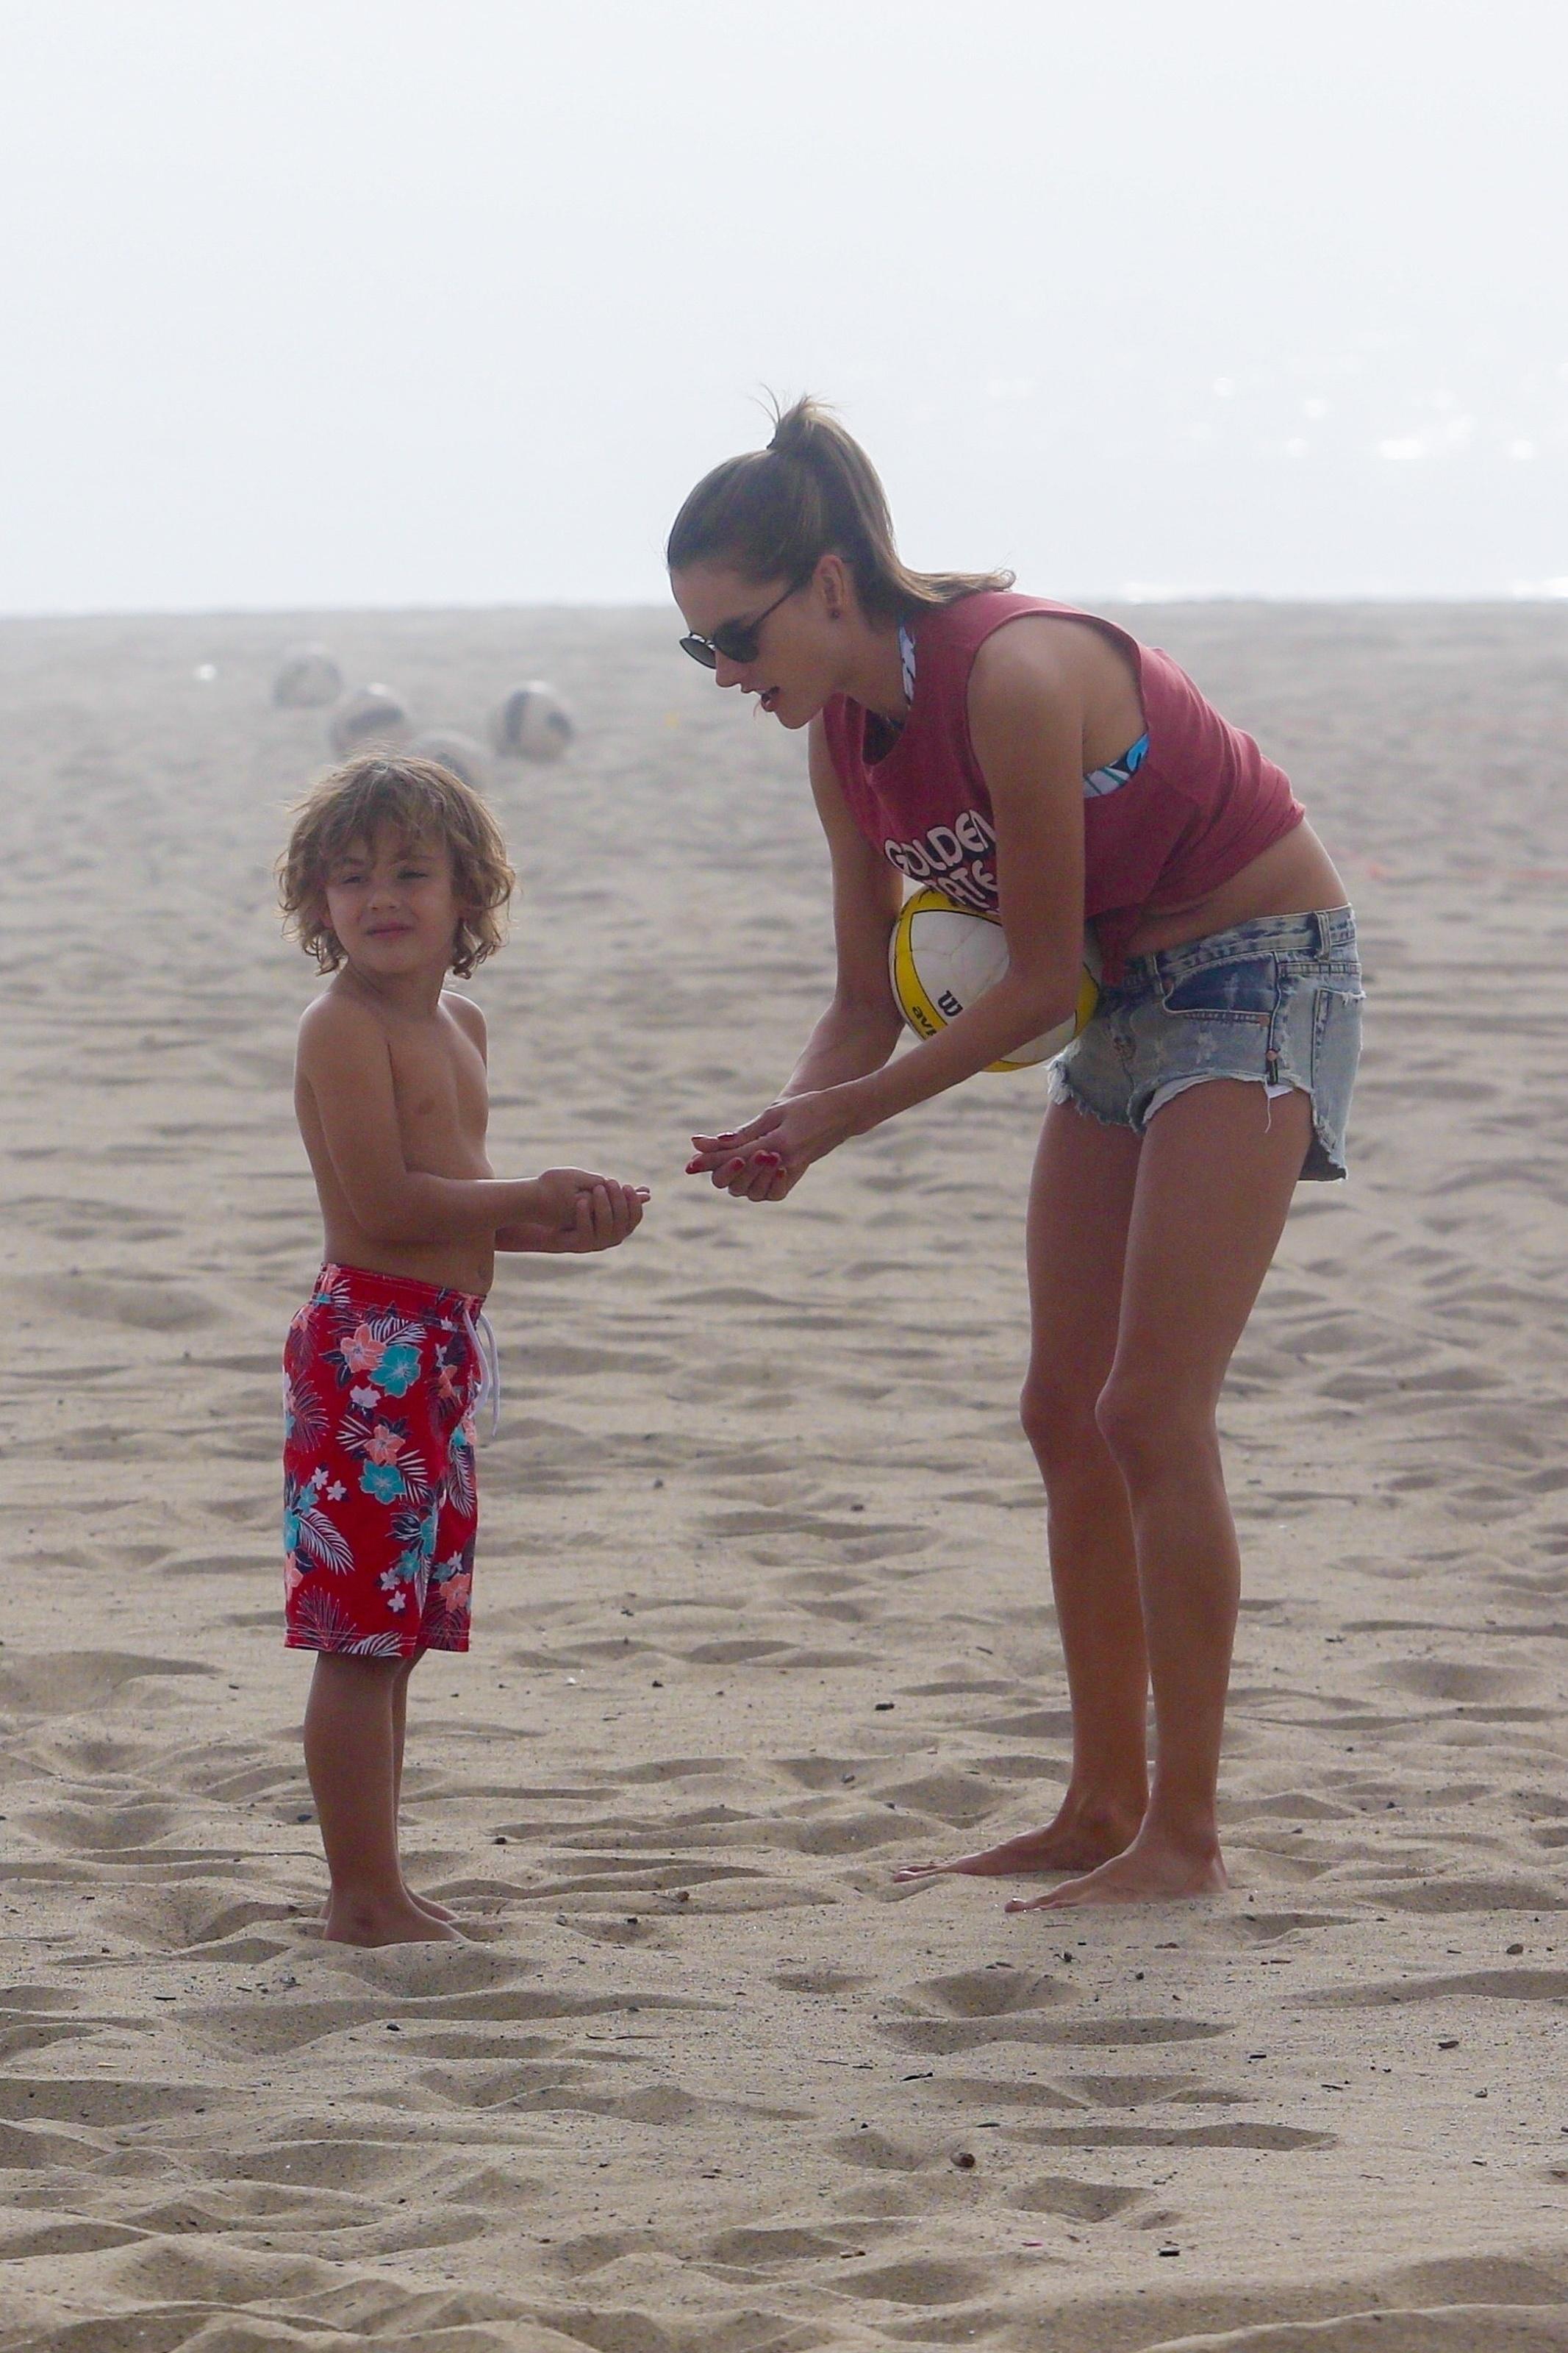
<point x="761" y="1609"/>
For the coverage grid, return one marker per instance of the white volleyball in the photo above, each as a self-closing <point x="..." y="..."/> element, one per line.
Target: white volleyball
<point x="941" y="957"/>
<point x="306" y="679"/>
<point x="373" y="715"/>
<point x="531" y="723"/>
<point x="457" y="752"/>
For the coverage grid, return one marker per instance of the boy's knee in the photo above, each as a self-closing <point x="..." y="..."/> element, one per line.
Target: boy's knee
<point x="353" y="1670"/>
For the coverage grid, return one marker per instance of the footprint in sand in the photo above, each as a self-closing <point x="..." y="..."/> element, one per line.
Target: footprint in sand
<point x="1452" y="1680"/>
<point x="994" y="1991"/>
<point x="1077" y="2201"/>
<point x="755" y="2247"/>
<point x="76" y="1220"/>
<point x="924" y="2281"/>
<point x="820" y="1981"/>
<point x="17" y="2037"/>
<point x="1492" y="1985"/>
<point x="70" y="1682"/>
<point x="875" y="2151"/>
<point x="125" y="1825"/>
<point x="96" y="2101"/>
<point x="1274" y="2140"/>
<point x="347" y="2164"/>
<point x="105" y="1299"/>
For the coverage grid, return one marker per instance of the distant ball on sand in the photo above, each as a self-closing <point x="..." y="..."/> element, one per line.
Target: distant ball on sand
<point x="531" y="723"/>
<point x="459" y="753"/>
<point x="941" y="957"/>
<point x="308" y="679"/>
<point x="373" y="715"/>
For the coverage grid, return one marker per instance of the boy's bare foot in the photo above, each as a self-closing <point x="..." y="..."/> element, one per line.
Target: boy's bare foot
<point x="1155" y="1869"/>
<point x="1081" y="1837"/>
<point x="396" y="1920"/>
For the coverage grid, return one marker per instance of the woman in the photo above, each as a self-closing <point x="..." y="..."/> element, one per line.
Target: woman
<point x="1040" y="763"/>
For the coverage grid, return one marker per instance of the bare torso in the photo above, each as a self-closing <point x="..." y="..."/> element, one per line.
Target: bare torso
<point x="1294" y="875"/>
<point x="443" y="1108"/>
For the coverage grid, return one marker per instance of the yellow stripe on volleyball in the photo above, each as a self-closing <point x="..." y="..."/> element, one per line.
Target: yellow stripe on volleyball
<point x="1088" y="1000"/>
<point x="923" y="1011"/>
<point x="916" y="1006"/>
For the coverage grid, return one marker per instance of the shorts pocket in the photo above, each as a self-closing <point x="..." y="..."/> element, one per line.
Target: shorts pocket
<point x="1336" y="1043"/>
<point x="1243" y="988"/>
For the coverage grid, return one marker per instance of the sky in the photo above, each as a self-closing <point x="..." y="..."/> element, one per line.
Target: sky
<point x="330" y="303"/>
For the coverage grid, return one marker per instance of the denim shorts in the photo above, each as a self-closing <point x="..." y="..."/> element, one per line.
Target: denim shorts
<point x="1277" y="1001"/>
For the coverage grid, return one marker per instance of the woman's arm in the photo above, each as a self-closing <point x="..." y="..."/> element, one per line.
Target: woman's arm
<point x="862" y="1027"/>
<point x="1026" y="724"/>
<point x="1026" y="712"/>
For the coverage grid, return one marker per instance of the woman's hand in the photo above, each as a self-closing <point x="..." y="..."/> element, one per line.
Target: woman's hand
<point x="767" y="1159"/>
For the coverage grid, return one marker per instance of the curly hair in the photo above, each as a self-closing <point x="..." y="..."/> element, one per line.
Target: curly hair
<point x="421" y="802"/>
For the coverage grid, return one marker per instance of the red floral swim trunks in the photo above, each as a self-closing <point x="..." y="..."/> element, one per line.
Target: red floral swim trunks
<point x="380" y="1502"/>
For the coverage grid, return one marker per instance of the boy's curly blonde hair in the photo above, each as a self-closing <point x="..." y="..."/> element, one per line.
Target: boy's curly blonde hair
<point x="421" y="802"/>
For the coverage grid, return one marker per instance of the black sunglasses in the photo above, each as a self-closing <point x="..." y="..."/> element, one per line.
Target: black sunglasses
<point x="736" y="640"/>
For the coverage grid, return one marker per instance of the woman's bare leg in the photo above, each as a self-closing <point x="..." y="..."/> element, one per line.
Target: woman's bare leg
<point x="1218" y="1168"/>
<point x="1080" y="1205"/>
<point x="350" y="1755"/>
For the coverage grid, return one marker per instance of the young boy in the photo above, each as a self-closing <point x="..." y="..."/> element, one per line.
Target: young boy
<point x="395" y="875"/>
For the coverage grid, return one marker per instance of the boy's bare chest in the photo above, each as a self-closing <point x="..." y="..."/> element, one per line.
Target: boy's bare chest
<point x="439" y="1083"/>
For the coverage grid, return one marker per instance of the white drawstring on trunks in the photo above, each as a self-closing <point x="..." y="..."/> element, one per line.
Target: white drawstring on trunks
<point x="484" y="1342"/>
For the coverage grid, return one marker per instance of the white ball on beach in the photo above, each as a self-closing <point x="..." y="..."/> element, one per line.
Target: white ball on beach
<point x="306" y="679"/>
<point x="531" y="723"/>
<point x="451" y="749"/>
<point x="373" y="715"/>
<point x="941" y="957"/>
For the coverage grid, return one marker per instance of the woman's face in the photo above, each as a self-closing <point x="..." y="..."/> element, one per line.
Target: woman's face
<point x="795" y="667"/>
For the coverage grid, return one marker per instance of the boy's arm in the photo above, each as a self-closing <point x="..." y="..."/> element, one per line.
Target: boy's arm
<point x="600" y="1217"/>
<point x="346" y="1063"/>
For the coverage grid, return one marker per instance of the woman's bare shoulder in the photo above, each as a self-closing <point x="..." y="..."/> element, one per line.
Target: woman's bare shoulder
<point x="1054" y="651"/>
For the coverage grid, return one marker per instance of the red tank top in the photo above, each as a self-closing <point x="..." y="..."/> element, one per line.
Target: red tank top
<point x="1201" y="806"/>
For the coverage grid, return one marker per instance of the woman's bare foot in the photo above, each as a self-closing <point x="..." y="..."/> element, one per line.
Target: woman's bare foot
<point x="1083" y="1835"/>
<point x="1157" y="1868"/>
<point x="429" y="1906"/>
<point x="395" y="1920"/>
<point x="426" y="1904"/>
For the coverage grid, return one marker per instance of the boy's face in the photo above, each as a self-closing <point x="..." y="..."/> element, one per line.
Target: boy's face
<point x="392" y="903"/>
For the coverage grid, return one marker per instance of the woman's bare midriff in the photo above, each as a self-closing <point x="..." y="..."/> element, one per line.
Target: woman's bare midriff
<point x="1294" y="875"/>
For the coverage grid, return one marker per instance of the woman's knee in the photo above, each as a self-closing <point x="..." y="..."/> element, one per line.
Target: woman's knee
<point x="1152" y="1431"/>
<point x="1059" y="1420"/>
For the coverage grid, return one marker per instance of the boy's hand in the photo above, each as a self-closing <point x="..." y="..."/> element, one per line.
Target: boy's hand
<point x="579" y="1212"/>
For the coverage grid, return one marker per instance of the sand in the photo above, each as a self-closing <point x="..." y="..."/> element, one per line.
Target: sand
<point x="761" y="1607"/>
